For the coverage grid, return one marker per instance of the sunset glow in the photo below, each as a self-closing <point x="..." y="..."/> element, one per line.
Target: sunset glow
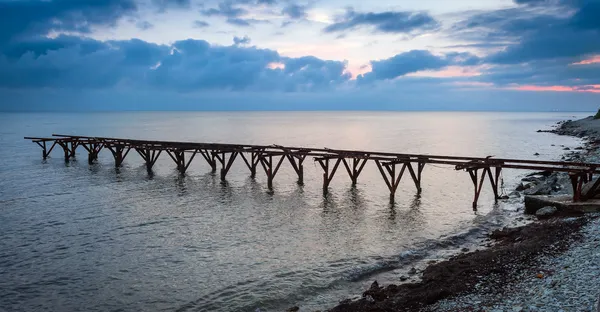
<point x="593" y="60"/>
<point x="587" y="88"/>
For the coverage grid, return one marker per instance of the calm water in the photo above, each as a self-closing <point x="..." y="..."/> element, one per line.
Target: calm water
<point x="75" y="237"/>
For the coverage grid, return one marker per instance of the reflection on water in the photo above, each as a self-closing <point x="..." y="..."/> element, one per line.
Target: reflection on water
<point x="96" y="238"/>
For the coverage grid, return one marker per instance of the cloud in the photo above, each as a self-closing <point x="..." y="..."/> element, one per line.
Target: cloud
<point x="29" y="18"/>
<point x="69" y="62"/>
<point x="226" y="9"/>
<point x="233" y="13"/>
<point x="295" y="11"/>
<point x="163" y="5"/>
<point x="386" y="22"/>
<point x="200" y="24"/>
<point x="414" y="61"/>
<point x="240" y="41"/>
<point x="144" y="25"/>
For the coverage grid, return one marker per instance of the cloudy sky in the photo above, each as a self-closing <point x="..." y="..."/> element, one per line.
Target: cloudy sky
<point x="294" y="54"/>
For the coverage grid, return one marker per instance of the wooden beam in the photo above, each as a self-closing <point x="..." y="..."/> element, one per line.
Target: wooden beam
<point x="327" y="174"/>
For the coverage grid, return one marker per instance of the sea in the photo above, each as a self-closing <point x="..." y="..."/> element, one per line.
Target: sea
<point x="80" y="237"/>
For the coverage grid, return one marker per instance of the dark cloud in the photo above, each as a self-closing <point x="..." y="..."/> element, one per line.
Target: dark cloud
<point x="414" y="61"/>
<point x="68" y="62"/>
<point x="239" y="22"/>
<point x="144" y="25"/>
<point x="29" y="18"/>
<point x="163" y="5"/>
<point x="200" y="24"/>
<point x="234" y="13"/>
<point x="539" y="30"/>
<point x="295" y="11"/>
<point x="226" y="9"/>
<point x="386" y="22"/>
<point x="239" y="41"/>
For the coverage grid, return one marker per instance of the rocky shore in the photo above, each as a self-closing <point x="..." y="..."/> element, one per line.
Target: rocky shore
<point x="549" y="265"/>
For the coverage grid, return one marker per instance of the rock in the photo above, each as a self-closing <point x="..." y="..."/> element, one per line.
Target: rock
<point x="579" y="148"/>
<point x="546" y="212"/>
<point x="522" y="186"/>
<point x="536" y="154"/>
<point x="566" y="149"/>
<point x="465" y="249"/>
<point x="532" y="179"/>
<point x="533" y="204"/>
<point x="293" y="309"/>
<point x="504" y="197"/>
<point x="403" y="278"/>
<point x="346" y="302"/>
<point x="515" y="194"/>
<point x="552" y="145"/>
<point x="412" y="271"/>
<point x="374" y="286"/>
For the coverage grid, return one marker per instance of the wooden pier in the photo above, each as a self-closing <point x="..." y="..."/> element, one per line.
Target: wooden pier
<point x="392" y="166"/>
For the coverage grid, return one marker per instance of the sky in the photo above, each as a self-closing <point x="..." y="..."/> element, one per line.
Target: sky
<point x="514" y="55"/>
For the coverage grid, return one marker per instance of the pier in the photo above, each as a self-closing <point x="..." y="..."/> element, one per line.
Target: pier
<point x="392" y="166"/>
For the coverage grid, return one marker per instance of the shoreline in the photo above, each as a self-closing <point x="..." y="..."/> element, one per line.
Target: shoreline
<point x="452" y="284"/>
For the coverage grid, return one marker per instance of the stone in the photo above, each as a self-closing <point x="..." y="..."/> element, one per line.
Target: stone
<point x="293" y="309"/>
<point x="412" y="271"/>
<point x="515" y="194"/>
<point x="403" y="278"/>
<point x="536" y="154"/>
<point x="566" y="149"/>
<point x="546" y="212"/>
<point x="504" y="197"/>
<point x="465" y="249"/>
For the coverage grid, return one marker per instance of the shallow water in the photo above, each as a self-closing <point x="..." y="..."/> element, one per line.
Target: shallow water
<point x="93" y="238"/>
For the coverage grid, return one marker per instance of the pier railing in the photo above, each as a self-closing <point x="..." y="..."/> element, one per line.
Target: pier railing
<point x="392" y="166"/>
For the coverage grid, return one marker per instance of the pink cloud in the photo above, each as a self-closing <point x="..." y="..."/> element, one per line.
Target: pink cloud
<point x="593" y="60"/>
<point x="585" y="88"/>
<point x="450" y="71"/>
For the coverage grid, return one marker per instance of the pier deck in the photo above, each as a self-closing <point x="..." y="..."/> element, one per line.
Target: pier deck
<point x="392" y="166"/>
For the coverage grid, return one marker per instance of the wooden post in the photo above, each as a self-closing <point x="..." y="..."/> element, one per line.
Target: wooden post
<point x="178" y="157"/>
<point x="298" y="167"/>
<point x="117" y="152"/>
<point x="66" y="149"/>
<point x="210" y="157"/>
<point x="45" y="150"/>
<point x="226" y="163"/>
<point x="328" y="176"/>
<point x="267" y="164"/>
<point x="149" y="155"/>
<point x="394" y="179"/>
<point x="93" y="150"/>
<point x="357" y="166"/>
<point x="478" y="187"/>
<point x="252" y="163"/>
<point x="415" y="176"/>
<point x="74" y="145"/>
<point x="577" y="183"/>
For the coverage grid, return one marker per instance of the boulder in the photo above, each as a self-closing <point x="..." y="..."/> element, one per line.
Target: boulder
<point x="542" y="189"/>
<point x="532" y="179"/>
<point x="515" y="194"/>
<point x="534" y="203"/>
<point x="546" y="212"/>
